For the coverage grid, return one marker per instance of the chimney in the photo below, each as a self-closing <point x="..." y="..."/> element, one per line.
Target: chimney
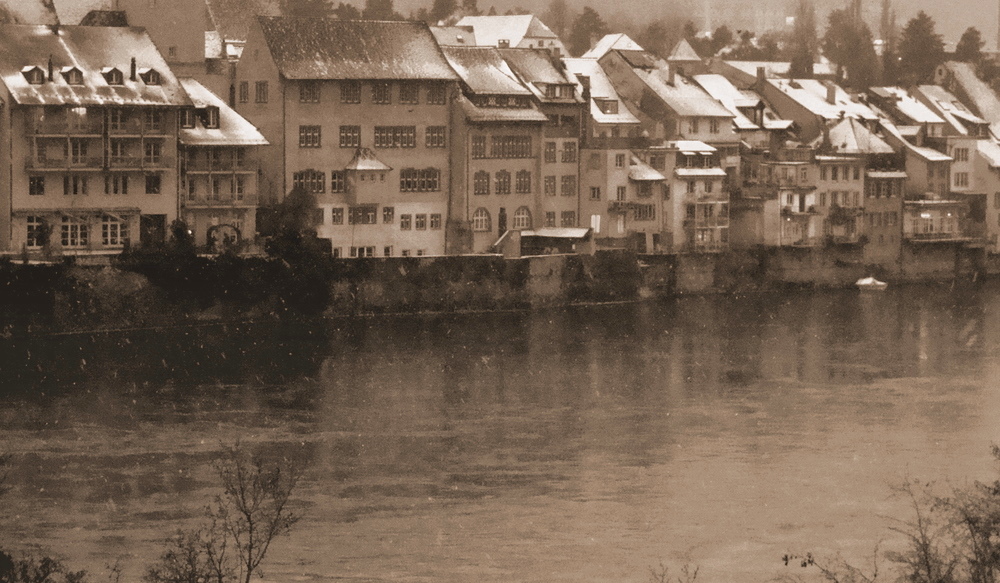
<point x="831" y="94"/>
<point x="761" y="74"/>
<point x="131" y="75"/>
<point x="51" y="72"/>
<point x="670" y="74"/>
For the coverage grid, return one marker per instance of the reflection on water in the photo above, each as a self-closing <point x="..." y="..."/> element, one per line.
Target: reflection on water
<point x="572" y="445"/>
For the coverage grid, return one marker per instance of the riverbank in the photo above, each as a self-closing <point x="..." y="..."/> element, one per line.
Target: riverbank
<point x="158" y="289"/>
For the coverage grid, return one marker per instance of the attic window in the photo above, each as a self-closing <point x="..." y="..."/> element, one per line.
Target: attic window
<point x="608" y="106"/>
<point x="113" y="76"/>
<point x="34" y="75"/>
<point x="149" y="76"/>
<point x="73" y="75"/>
<point x="211" y="119"/>
<point x="187" y="117"/>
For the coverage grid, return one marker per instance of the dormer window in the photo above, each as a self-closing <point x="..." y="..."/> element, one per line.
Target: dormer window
<point x="607" y="106"/>
<point x="72" y="75"/>
<point x="211" y="118"/>
<point x="149" y="76"/>
<point x="187" y="117"/>
<point x="113" y="76"/>
<point x="34" y="75"/>
<point x="503" y="43"/>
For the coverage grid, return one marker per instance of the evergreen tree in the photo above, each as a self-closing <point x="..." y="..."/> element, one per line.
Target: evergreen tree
<point x="970" y="46"/>
<point x="307" y="8"/>
<point x="848" y="43"/>
<point x="379" y="10"/>
<point x="587" y="27"/>
<point x="442" y="9"/>
<point x="921" y="49"/>
<point x="345" y="11"/>
<point x="890" y="41"/>
<point x="470" y="8"/>
<point x="803" y="43"/>
<point x="721" y="38"/>
<point x="558" y="17"/>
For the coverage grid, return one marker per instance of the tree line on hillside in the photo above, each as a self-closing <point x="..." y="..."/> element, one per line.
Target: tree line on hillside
<point x="908" y="56"/>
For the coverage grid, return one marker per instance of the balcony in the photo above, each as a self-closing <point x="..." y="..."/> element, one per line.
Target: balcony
<point x="615" y="143"/>
<point x="222" y="201"/>
<point x="706" y="222"/>
<point x="135" y="128"/>
<point x="954" y="237"/>
<point x="140" y="163"/>
<point x="705" y="247"/>
<point x="64" y="164"/>
<point x="63" y="128"/>
<point x="219" y="167"/>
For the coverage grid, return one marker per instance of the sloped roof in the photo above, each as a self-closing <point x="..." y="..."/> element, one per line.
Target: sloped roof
<point x="28" y="12"/>
<point x="233" y="129"/>
<point x="907" y="106"/>
<point x="105" y="18"/>
<point x="896" y="136"/>
<point x="600" y="89"/>
<point x="990" y="150"/>
<point x="949" y="107"/>
<point x="984" y="99"/>
<point x="639" y="171"/>
<point x="484" y="70"/>
<point x="454" y="36"/>
<point x="365" y="159"/>
<point x="475" y="113"/>
<point x="90" y="49"/>
<point x="729" y="96"/>
<point x="612" y="42"/>
<point x="812" y="95"/>
<point x="72" y="11"/>
<point x="537" y="68"/>
<point x="324" y="48"/>
<point x="683" y="96"/>
<point x="513" y="28"/>
<point x="849" y="136"/>
<point x="234" y="18"/>
<point x="683" y="52"/>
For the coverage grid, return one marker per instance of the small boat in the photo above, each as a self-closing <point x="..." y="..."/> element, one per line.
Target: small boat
<point x="871" y="284"/>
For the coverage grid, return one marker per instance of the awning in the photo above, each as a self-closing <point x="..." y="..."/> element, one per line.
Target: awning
<point x="685" y="172"/>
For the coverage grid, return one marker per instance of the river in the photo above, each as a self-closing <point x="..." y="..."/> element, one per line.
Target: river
<point x="585" y="444"/>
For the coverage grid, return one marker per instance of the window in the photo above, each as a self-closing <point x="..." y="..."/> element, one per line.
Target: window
<point x="363" y="251"/>
<point x="804" y="175"/>
<point x="187" y="117"/>
<point x="550" y="218"/>
<point x="114" y="231"/>
<point x="36" y="185"/>
<point x="244" y="91"/>
<point x="77" y="151"/>
<point x="550" y="152"/>
<point x="436" y="94"/>
<point x="395" y="136"/>
<point x="713" y="126"/>
<point x="645" y="212"/>
<point x="621" y="193"/>
<point x="312" y="181"/>
<point x="211" y="119"/>
<point x="508" y="147"/>
<point x="75" y="184"/>
<point x="362" y="214"/>
<point x="387" y="251"/>
<point x="595" y="193"/>
<point x="36" y="227"/>
<point x="568" y="218"/>
<point x="420" y="222"/>
<point x="260" y="91"/>
<point x="152" y="184"/>
<point x="310" y="136"/>
<point x="319" y="216"/>
<point x="419" y="180"/>
<point x="961" y="179"/>
<point x="692" y="186"/>
<point x="350" y="136"/>
<point x="350" y="92"/>
<point x="822" y="172"/>
<point x="117" y="118"/>
<point x="522" y="218"/>
<point x="550" y="185"/>
<point x="503" y="182"/>
<point x="481" y="220"/>
<point x="309" y="91"/>
<point x="522" y="182"/>
<point x="434" y="137"/>
<point x="338" y="181"/>
<point x="153" y="152"/>
<point x="619" y="160"/>
<point x="478" y="146"/>
<point x="116" y="184"/>
<point x="961" y="154"/>
<point x="337" y="216"/>
<point x="436" y="221"/>
<point x="996" y="200"/>
<point x="113" y="76"/>
<point x="240" y="187"/>
<point x="388" y="214"/>
<point x="409" y="93"/>
<point x="708" y="185"/>
<point x="608" y="106"/>
<point x="73" y="76"/>
<point x="381" y="92"/>
<point x="405" y="222"/>
<point x="481" y="182"/>
<point x="834" y="172"/>
<point x="34" y="76"/>
<point x="150" y="76"/>
<point x="153" y="120"/>
<point x="569" y="152"/>
<point x="693" y="125"/>
<point x="75" y="232"/>
<point x="857" y="173"/>
<point x="568" y="186"/>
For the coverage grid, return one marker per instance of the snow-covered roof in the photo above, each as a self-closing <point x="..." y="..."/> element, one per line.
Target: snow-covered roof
<point x="557" y="232"/>
<point x="233" y="130"/>
<point x="601" y="89"/>
<point x="89" y="49"/>
<point x="537" y="68"/>
<point x="484" y="71"/>
<point x="989" y="150"/>
<point x="927" y="154"/>
<point x="849" y="136"/>
<point x="325" y="48"/>
<point x="982" y="96"/>
<point x="885" y="174"/>
<point x="731" y="97"/>
<point x="683" y="96"/>
<point x="691" y="146"/>
<point x="812" y="95"/>
<point x="683" y="53"/>
<point x="366" y="160"/>
<point x="233" y="19"/>
<point x="612" y="42"/>
<point x="696" y="172"/>
<point x="949" y="108"/>
<point x="490" y="30"/>
<point x="454" y="36"/>
<point x="476" y="113"/>
<point x="639" y="171"/>
<point x="914" y="111"/>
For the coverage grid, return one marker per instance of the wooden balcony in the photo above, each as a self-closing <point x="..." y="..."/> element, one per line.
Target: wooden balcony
<point x="221" y="201"/>
<point x="64" y="164"/>
<point x="64" y="128"/>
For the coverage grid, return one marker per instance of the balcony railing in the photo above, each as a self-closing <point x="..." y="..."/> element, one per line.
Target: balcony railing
<point x="135" y="127"/>
<point x="955" y="236"/>
<point x="616" y="143"/>
<point x="140" y="163"/>
<point x="220" y="166"/>
<point x="221" y="201"/>
<point x="92" y="163"/>
<point x="63" y="127"/>
<point x="705" y="247"/>
<point x="706" y="222"/>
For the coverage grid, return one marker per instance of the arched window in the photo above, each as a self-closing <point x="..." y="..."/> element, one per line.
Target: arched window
<point x="522" y="218"/>
<point x="481" y="220"/>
